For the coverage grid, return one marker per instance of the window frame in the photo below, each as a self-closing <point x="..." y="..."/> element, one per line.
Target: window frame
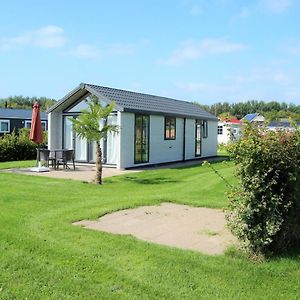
<point x="198" y="126"/>
<point x="144" y="118"/>
<point x="8" y="127"/>
<point x="168" y="128"/>
<point x="220" y="129"/>
<point x="29" y="122"/>
<point x="204" y="129"/>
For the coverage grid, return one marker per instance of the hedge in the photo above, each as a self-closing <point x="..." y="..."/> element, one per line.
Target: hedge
<point x="15" y="147"/>
<point x="265" y="208"/>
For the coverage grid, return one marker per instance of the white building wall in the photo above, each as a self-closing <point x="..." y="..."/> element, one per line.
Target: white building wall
<point x="126" y="145"/>
<point x="225" y="136"/>
<point x="113" y="141"/>
<point x="190" y="138"/>
<point x="162" y="150"/>
<point x="210" y="144"/>
<point x="55" y="130"/>
<point x="231" y="132"/>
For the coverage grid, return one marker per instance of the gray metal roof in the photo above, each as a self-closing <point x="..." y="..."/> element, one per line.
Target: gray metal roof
<point x="142" y="103"/>
<point x="22" y="114"/>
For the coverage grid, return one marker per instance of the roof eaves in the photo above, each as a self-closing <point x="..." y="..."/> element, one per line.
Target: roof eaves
<point x="61" y="101"/>
<point x="160" y="113"/>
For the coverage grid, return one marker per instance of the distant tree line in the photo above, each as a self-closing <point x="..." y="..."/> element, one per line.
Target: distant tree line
<point x="22" y="102"/>
<point x="270" y="110"/>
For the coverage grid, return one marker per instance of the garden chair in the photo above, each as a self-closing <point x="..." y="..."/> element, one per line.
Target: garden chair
<point x="67" y="156"/>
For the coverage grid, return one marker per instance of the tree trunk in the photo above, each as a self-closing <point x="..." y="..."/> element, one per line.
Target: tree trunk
<point x="98" y="177"/>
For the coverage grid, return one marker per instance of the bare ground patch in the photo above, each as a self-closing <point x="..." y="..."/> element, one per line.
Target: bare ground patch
<point x="181" y="226"/>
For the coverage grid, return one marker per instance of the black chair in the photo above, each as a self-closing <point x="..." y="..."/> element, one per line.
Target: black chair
<point x="67" y="156"/>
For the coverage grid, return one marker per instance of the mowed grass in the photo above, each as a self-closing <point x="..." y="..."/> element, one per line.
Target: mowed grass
<point x="43" y="256"/>
<point x="17" y="164"/>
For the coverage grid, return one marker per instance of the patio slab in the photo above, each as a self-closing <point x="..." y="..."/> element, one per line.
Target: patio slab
<point x="82" y="172"/>
<point x="181" y="226"/>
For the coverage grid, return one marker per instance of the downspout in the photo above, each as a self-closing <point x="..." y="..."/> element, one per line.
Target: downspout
<point x="183" y="150"/>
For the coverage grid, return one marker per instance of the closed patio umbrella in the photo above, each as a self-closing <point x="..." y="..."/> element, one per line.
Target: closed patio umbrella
<point x="36" y="130"/>
<point x="36" y="134"/>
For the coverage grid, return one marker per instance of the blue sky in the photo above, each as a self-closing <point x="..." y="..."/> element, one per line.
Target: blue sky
<point x="197" y="50"/>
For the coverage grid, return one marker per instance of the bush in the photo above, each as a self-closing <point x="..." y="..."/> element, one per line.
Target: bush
<point x="19" y="147"/>
<point x="264" y="210"/>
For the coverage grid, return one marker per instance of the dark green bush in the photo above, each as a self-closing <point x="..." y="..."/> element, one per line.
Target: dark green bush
<point x="18" y="147"/>
<point x="264" y="210"/>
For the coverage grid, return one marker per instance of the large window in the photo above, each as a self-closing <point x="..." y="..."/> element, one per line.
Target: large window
<point x="4" y="126"/>
<point x="220" y="129"/>
<point x="204" y="129"/>
<point x="28" y="125"/>
<point x="198" y="125"/>
<point x="141" y="143"/>
<point x="170" y="128"/>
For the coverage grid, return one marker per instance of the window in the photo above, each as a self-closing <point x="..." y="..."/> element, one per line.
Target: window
<point x="220" y="129"/>
<point x="141" y="143"/>
<point x="170" y="128"/>
<point x="235" y="131"/>
<point x="204" y="129"/>
<point x="198" y="130"/>
<point x="28" y="125"/>
<point x="4" y="126"/>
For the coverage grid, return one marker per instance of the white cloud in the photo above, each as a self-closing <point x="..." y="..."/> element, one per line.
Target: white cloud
<point x="293" y="50"/>
<point x="276" y="6"/>
<point x="86" y="51"/>
<point x="244" y="13"/>
<point x="193" y="50"/>
<point x="46" y="37"/>
<point x="196" y="10"/>
<point x="128" y="48"/>
<point x="276" y="76"/>
<point x="198" y="87"/>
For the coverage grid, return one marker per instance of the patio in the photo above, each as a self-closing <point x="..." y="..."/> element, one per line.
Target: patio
<point x="82" y="172"/>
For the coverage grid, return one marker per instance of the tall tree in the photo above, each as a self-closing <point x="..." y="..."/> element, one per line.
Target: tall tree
<point x="21" y="102"/>
<point x="88" y="126"/>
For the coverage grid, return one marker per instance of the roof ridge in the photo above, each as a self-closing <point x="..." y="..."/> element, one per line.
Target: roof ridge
<point x="101" y="86"/>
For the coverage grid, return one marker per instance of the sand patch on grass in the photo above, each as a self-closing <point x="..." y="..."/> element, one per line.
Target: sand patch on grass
<point x="181" y="226"/>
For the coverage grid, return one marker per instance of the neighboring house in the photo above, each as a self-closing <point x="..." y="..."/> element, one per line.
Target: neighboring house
<point x="153" y="129"/>
<point x="256" y="119"/>
<point x="282" y="125"/>
<point x="229" y="131"/>
<point x="14" y="119"/>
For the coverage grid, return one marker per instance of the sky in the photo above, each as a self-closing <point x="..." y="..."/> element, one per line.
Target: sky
<point x="195" y="50"/>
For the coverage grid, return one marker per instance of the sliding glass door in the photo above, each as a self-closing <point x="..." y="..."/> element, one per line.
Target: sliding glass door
<point x="141" y="143"/>
<point x="68" y="133"/>
<point x="73" y="141"/>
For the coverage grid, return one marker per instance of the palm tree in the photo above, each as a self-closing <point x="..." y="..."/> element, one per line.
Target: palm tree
<point x="88" y="126"/>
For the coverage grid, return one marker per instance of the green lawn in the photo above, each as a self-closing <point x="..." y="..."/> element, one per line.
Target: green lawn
<point x="17" y="164"/>
<point x="43" y="256"/>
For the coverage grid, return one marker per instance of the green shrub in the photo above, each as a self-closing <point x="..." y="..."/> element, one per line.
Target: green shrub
<point x="19" y="147"/>
<point x="264" y="210"/>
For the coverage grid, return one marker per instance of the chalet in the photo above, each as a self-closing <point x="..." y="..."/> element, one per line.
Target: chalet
<point x="153" y="129"/>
